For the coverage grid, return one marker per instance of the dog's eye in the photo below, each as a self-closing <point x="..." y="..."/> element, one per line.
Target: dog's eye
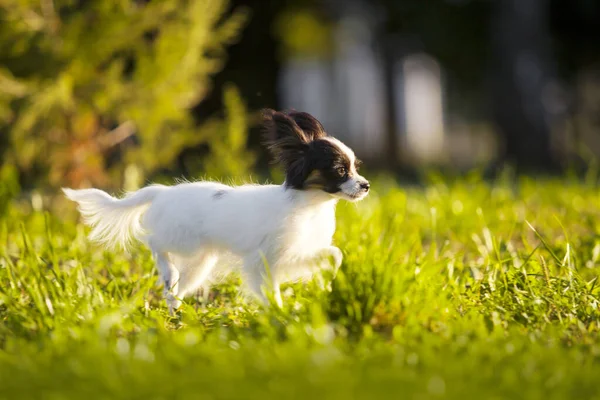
<point x="343" y="171"/>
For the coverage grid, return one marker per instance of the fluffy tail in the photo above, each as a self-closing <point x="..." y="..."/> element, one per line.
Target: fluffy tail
<point x="115" y="222"/>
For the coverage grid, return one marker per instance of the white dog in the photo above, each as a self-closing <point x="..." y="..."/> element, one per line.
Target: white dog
<point x="278" y="232"/>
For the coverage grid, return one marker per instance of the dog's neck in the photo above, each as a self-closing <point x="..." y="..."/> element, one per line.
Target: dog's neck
<point x="311" y="198"/>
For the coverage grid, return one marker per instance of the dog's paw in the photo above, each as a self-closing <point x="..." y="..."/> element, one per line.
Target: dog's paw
<point x="330" y="261"/>
<point x="336" y="255"/>
<point x="173" y="303"/>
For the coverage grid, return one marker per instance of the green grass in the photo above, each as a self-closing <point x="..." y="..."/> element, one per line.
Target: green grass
<point x="456" y="289"/>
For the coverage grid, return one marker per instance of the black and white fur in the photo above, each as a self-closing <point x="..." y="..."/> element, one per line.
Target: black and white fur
<point x="277" y="232"/>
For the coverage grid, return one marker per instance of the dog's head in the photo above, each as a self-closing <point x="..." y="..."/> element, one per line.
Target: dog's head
<point x="312" y="159"/>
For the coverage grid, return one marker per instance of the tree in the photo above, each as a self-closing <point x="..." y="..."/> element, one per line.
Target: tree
<point x="89" y="85"/>
<point x="521" y="73"/>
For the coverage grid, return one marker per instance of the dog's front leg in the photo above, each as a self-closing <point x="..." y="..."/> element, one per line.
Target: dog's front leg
<point x="327" y="259"/>
<point x="259" y="277"/>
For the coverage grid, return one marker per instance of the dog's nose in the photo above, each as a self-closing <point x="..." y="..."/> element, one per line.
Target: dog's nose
<point x="365" y="186"/>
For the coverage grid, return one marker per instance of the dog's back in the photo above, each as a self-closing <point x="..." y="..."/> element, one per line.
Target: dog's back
<point x="206" y="214"/>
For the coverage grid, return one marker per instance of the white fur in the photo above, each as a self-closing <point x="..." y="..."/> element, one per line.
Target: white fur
<point x="278" y="234"/>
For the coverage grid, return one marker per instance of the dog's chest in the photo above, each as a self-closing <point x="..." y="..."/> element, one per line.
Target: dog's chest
<point x="312" y="229"/>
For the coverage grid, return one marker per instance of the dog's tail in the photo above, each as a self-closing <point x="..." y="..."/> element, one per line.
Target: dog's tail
<point x="114" y="222"/>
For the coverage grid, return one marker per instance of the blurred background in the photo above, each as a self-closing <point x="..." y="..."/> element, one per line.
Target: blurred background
<point x="113" y="93"/>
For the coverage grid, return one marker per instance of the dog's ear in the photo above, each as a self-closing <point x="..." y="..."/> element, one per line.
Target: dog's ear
<point x="311" y="126"/>
<point x="297" y="173"/>
<point x="288" y="137"/>
<point x="286" y="141"/>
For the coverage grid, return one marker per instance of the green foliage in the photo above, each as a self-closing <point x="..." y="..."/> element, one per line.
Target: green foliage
<point x="457" y="289"/>
<point x="229" y="155"/>
<point x="303" y="32"/>
<point x="9" y="187"/>
<point x="80" y="78"/>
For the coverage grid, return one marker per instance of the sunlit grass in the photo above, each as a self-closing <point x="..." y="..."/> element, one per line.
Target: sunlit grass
<point x="462" y="289"/>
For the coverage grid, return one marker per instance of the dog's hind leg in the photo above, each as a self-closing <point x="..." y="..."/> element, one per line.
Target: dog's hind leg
<point x="194" y="272"/>
<point x="170" y="278"/>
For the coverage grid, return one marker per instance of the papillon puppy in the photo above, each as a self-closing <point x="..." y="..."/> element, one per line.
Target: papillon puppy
<point x="279" y="233"/>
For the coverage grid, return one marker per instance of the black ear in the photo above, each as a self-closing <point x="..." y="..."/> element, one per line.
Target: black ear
<point x="309" y="124"/>
<point x="297" y="173"/>
<point x="284" y="138"/>
<point x="279" y="125"/>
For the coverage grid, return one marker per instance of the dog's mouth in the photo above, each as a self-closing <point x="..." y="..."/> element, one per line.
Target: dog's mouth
<point x="352" y="196"/>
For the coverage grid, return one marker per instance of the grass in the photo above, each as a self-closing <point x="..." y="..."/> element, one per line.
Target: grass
<point x="456" y="289"/>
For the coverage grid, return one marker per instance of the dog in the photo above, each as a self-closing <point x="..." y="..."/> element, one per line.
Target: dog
<point x="280" y="233"/>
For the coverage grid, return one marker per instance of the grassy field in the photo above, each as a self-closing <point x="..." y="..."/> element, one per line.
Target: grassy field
<point x="455" y="289"/>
